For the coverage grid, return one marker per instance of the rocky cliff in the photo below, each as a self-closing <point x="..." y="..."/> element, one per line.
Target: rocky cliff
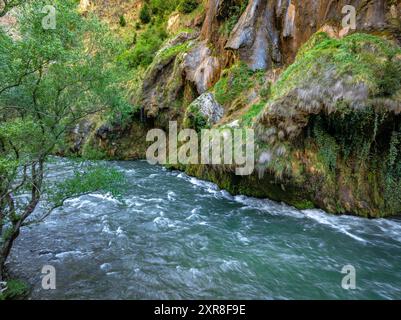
<point x="324" y="100"/>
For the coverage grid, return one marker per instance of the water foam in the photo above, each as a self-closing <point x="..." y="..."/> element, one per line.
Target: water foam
<point x="334" y="222"/>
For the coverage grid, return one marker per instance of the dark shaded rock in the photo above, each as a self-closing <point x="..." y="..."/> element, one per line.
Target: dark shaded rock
<point x="80" y="134"/>
<point x="109" y="130"/>
<point x="164" y="79"/>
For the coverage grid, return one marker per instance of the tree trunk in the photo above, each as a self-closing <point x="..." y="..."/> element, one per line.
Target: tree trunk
<point x="37" y="178"/>
<point x="6" y="249"/>
<point x="1" y="272"/>
<point x="2" y="269"/>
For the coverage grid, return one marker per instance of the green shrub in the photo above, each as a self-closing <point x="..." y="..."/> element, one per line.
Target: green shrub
<point x="194" y="119"/>
<point x="134" y="39"/>
<point x="147" y="44"/>
<point x="174" y="50"/>
<point x="252" y="113"/>
<point x="144" y="14"/>
<point x="232" y="15"/>
<point x="328" y="147"/>
<point x="265" y="91"/>
<point x="187" y="6"/>
<point x="15" y="289"/>
<point x="163" y="7"/>
<point x="122" y="21"/>
<point x="390" y="81"/>
<point x="91" y="152"/>
<point x="392" y="174"/>
<point x="233" y="82"/>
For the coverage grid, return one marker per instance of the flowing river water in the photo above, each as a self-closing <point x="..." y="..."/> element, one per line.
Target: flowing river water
<point x="172" y="236"/>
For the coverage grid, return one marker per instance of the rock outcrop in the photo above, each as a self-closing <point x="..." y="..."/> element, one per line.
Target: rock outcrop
<point x="255" y="36"/>
<point x="204" y="109"/>
<point x="163" y="81"/>
<point x="201" y="67"/>
<point x="333" y="117"/>
<point x="271" y="32"/>
<point x="324" y="99"/>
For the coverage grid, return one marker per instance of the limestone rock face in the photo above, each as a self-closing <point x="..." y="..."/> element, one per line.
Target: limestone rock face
<point x="173" y="22"/>
<point x="271" y="31"/>
<point x="163" y="80"/>
<point x="210" y="24"/>
<point x="201" y="67"/>
<point x="255" y="37"/>
<point x="208" y="107"/>
<point x="80" y="134"/>
<point x="324" y="98"/>
<point x="302" y="18"/>
<point x="8" y="22"/>
<point x="311" y="106"/>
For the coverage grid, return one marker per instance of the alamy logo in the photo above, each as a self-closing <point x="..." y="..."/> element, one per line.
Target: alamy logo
<point x="49" y="20"/>
<point x="349" y="21"/>
<point x="349" y="281"/>
<point x="48" y="278"/>
<point x="217" y="147"/>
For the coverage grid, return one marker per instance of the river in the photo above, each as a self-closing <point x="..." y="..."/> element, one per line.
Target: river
<point x="172" y="236"/>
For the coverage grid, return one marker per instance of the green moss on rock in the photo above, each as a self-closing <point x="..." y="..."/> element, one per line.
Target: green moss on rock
<point x="364" y="58"/>
<point x="336" y="109"/>
<point x="232" y="83"/>
<point x="194" y="119"/>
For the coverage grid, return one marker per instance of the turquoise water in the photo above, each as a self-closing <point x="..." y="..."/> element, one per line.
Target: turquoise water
<point x="175" y="237"/>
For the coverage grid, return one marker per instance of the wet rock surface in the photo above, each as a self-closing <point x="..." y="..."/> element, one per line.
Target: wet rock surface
<point x="207" y="105"/>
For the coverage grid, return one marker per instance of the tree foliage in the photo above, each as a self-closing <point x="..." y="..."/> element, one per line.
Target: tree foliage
<point x="187" y="6"/>
<point x="8" y="5"/>
<point x="50" y="80"/>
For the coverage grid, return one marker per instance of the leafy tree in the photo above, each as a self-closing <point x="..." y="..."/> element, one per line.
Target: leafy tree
<point x="50" y="80"/>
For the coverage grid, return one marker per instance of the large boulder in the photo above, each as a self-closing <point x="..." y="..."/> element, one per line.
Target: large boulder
<point x="204" y="111"/>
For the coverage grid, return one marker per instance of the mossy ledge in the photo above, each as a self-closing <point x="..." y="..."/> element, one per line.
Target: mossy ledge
<point x="252" y="185"/>
<point x="330" y="129"/>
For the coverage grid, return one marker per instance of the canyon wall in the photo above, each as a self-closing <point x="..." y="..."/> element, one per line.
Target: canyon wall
<point x="324" y="100"/>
